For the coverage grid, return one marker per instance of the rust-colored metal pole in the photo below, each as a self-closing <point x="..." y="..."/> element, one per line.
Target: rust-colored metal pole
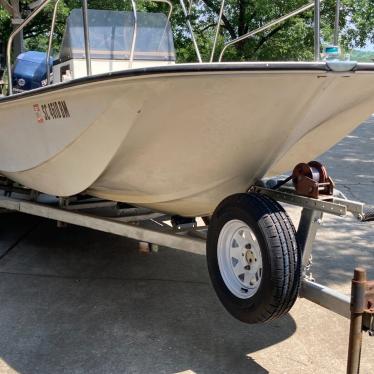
<point x="357" y="311"/>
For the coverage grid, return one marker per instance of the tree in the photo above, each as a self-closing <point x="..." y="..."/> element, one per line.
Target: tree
<point x="291" y="40"/>
<point x="12" y="7"/>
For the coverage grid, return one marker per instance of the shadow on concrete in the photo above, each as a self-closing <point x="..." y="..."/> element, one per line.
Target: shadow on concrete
<point x="345" y="243"/>
<point x="351" y="163"/>
<point x="342" y="245"/>
<point x="79" y="301"/>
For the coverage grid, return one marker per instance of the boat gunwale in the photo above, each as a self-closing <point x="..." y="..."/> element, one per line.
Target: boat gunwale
<point x="185" y="68"/>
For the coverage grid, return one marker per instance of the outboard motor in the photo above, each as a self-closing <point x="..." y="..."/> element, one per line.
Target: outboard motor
<point x="30" y="71"/>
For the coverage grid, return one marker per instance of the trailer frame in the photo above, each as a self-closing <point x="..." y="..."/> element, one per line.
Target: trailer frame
<point x="149" y="227"/>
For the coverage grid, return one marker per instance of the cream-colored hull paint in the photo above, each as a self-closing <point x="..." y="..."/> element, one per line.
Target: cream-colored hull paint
<point x="182" y="142"/>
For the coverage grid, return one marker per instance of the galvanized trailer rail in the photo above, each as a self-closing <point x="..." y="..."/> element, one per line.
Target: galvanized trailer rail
<point x="161" y="236"/>
<point x="132" y="223"/>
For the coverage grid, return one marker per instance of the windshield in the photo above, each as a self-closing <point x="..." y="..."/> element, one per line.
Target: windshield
<point x="111" y="35"/>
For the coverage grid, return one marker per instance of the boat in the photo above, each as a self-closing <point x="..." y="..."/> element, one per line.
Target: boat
<point x="121" y="120"/>
<point x="116" y="118"/>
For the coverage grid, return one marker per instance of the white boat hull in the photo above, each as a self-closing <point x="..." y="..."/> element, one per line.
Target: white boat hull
<point x="178" y="142"/>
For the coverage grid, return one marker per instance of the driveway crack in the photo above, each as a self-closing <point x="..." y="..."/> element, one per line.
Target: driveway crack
<point x="19" y="240"/>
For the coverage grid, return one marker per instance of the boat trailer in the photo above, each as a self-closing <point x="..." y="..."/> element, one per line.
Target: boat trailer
<point x="154" y="229"/>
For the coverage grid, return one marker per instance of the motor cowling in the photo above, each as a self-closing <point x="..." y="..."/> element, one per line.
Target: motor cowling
<point x="30" y="71"/>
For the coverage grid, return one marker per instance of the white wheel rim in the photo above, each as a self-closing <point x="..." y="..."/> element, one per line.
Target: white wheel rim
<point x="239" y="259"/>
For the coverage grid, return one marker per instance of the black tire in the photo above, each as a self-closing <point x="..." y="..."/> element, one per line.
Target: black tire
<point x="281" y="257"/>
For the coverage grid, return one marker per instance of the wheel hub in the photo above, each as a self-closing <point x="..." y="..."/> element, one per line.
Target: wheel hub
<point x="249" y="257"/>
<point x="239" y="259"/>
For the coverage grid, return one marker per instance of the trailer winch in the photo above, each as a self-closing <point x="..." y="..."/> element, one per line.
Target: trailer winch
<point x="312" y="180"/>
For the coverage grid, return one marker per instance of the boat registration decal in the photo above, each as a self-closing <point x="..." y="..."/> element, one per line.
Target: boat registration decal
<point x="50" y="111"/>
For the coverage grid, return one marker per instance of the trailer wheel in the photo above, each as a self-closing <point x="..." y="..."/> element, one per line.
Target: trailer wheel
<point x="254" y="261"/>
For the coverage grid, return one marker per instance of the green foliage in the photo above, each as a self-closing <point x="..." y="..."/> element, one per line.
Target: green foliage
<point x="291" y="40"/>
<point x="362" y="56"/>
<point x="37" y="33"/>
<point x="5" y="25"/>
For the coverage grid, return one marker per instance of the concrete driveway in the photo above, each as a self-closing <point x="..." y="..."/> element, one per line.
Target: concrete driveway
<point x="78" y="301"/>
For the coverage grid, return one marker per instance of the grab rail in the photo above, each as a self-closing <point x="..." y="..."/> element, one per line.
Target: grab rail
<point x="86" y="32"/>
<point x="267" y="26"/>
<point x="50" y="40"/>
<point x="337" y="26"/>
<point x="187" y="16"/>
<point x="168" y="18"/>
<point x="217" y="30"/>
<point x="134" y="33"/>
<point x="317" y="29"/>
<point x="11" y="38"/>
